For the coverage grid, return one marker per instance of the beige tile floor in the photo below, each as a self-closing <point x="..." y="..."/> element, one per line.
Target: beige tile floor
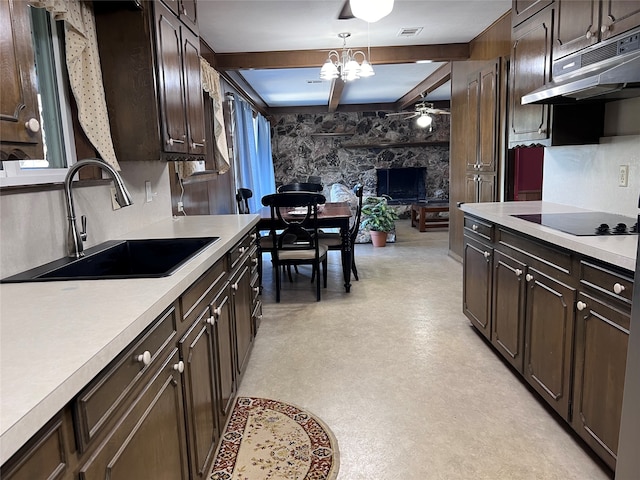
<point x="394" y="368"/>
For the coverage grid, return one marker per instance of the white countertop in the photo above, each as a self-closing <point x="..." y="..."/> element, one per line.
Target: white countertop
<point x="56" y="336"/>
<point x="619" y="250"/>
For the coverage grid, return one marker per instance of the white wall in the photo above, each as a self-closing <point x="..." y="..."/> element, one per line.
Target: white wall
<point x="34" y="224"/>
<point x="586" y="176"/>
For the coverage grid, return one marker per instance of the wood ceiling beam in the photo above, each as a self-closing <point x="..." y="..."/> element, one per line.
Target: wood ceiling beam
<point x="335" y="93"/>
<point x="315" y="58"/>
<point x="438" y="78"/>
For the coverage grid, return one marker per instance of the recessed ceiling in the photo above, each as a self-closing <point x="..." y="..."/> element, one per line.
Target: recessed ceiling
<point x="270" y="30"/>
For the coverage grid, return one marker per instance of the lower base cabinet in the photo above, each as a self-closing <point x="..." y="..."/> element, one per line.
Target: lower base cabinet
<point x="149" y="440"/>
<point x="157" y="410"/>
<point x="560" y="319"/>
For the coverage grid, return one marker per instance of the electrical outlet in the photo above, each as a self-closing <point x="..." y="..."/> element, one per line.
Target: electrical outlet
<point x="148" y="192"/>
<point x="114" y="203"/>
<point x="623" y="176"/>
<point x="180" y="207"/>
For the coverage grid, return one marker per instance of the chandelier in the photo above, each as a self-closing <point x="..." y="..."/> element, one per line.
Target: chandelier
<point x="344" y="64"/>
<point x="371" y="10"/>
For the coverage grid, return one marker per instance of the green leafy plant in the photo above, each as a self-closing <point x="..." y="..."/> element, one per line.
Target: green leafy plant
<point x="378" y="215"/>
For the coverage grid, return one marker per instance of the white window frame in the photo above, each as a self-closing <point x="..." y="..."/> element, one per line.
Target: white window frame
<point x="12" y="174"/>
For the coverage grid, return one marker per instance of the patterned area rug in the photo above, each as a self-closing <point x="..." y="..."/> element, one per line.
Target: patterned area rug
<point x="270" y="440"/>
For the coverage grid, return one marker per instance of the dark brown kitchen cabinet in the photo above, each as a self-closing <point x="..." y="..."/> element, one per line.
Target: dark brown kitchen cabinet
<point x="186" y="10"/>
<point x="47" y="455"/>
<point x="523" y="9"/>
<point x="149" y="440"/>
<point x="480" y="187"/>
<point x="224" y="339"/>
<point x="156" y="109"/>
<point x="603" y="318"/>
<point x="20" y="129"/>
<point x="530" y="69"/>
<point x="580" y="24"/>
<point x="507" y="328"/>
<point x="549" y="324"/>
<point x="198" y="352"/>
<point x="478" y="274"/>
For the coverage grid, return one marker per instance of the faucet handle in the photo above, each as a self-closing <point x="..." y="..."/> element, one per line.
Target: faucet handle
<point x="83" y="232"/>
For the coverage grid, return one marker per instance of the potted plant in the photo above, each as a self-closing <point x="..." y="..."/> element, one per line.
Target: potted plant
<point x="379" y="219"/>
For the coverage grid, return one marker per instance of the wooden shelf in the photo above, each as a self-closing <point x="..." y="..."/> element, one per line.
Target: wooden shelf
<point x="395" y="144"/>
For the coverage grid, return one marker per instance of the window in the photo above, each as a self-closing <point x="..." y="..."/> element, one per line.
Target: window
<point x="53" y="104"/>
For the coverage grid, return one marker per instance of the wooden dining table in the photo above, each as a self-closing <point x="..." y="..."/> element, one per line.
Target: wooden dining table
<point x="330" y="215"/>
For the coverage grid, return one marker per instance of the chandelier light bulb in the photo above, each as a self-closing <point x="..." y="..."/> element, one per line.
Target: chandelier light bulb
<point x="424" y="120"/>
<point x="345" y="65"/>
<point x="371" y="10"/>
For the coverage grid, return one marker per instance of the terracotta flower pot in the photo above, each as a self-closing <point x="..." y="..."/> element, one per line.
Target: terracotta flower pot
<point x="379" y="239"/>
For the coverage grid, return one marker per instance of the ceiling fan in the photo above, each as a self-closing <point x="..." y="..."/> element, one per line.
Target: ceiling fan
<point x="423" y="111"/>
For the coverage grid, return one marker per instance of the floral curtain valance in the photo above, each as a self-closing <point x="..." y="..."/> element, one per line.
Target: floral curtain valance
<point x="85" y="74"/>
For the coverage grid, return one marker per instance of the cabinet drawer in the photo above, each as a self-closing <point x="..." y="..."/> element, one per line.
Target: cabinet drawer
<point x="480" y="229"/>
<point x="242" y="248"/>
<point x="540" y="254"/>
<point x="614" y="284"/>
<point x="201" y="292"/>
<point x="113" y="388"/>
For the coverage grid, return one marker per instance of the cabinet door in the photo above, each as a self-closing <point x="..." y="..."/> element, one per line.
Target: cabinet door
<point x="18" y="84"/>
<point x="224" y="339"/>
<point x="189" y="14"/>
<point x="602" y="335"/>
<point x="149" y="441"/>
<point x="549" y="324"/>
<point x="577" y="26"/>
<point x="471" y="188"/>
<point x="193" y="93"/>
<point x="507" y="330"/>
<point x="197" y="353"/>
<point x="477" y="285"/>
<point x="486" y="188"/>
<point x="471" y="122"/>
<point x="523" y="9"/>
<point x="618" y="16"/>
<point x="530" y="69"/>
<point x="487" y="118"/>
<point x="242" y="308"/>
<point x="170" y="81"/>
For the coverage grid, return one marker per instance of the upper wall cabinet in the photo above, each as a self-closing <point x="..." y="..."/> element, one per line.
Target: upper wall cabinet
<point x="20" y="132"/>
<point x="523" y="9"/>
<point x="186" y="10"/>
<point x="582" y="23"/>
<point x="156" y="108"/>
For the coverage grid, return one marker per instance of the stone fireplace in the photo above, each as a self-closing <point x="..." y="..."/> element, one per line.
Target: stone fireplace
<point x="352" y="147"/>
<point x="404" y="185"/>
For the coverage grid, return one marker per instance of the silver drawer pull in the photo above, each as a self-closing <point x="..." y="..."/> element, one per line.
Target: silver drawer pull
<point x="254" y="236"/>
<point x="242" y="250"/>
<point x="256" y="289"/>
<point x="234" y="286"/>
<point x="528" y="277"/>
<point x="518" y="272"/>
<point x="474" y="227"/>
<point x="197" y="145"/>
<point x="210" y="320"/>
<point x="486" y="255"/>
<point x="581" y="306"/>
<point x="171" y="141"/>
<point x="145" y="358"/>
<point x="618" y="288"/>
<point x="217" y="312"/>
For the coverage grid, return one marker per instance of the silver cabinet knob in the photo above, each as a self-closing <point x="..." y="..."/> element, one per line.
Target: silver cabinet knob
<point x="235" y="286"/>
<point x="32" y="125"/>
<point x="518" y="272"/>
<point x="256" y="289"/>
<point x="528" y="277"/>
<point x="179" y="367"/>
<point x="217" y="312"/>
<point x="145" y="358"/>
<point x="581" y="306"/>
<point x="604" y="28"/>
<point x="486" y="254"/>
<point x="210" y="320"/>
<point x="242" y="250"/>
<point x="474" y="227"/>
<point x="618" y="288"/>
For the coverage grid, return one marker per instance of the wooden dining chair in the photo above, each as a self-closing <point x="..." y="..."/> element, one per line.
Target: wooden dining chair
<point x="242" y="200"/>
<point x="333" y="241"/>
<point x="300" y="187"/>
<point x="301" y="225"/>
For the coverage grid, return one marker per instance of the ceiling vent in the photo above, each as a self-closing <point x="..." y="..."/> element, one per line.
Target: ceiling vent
<point x="314" y="81"/>
<point x="410" y="31"/>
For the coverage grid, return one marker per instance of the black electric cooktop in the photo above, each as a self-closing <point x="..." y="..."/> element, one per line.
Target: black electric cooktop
<point x="585" y="223"/>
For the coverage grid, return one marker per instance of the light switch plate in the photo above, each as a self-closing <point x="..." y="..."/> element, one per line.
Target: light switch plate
<point x="623" y="176"/>
<point x="148" y="192"/>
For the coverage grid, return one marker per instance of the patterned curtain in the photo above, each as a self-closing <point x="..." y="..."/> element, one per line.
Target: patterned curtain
<point x="85" y="74"/>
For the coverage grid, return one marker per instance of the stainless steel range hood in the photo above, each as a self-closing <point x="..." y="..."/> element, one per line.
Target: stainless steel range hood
<point x="609" y="70"/>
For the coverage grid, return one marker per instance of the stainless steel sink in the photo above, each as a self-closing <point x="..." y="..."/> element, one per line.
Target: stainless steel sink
<point x="149" y="258"/>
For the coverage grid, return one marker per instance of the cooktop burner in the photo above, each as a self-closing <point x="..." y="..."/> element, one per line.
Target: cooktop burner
<point x="585" y="223"/>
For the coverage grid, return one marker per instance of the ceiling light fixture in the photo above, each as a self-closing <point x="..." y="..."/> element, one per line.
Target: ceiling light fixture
<point x="424" y="120"/>
<point x="371" y="10"/>
<point x="345" y="65"/>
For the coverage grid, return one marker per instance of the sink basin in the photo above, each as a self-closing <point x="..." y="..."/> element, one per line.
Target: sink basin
<point x="149" y="258"/>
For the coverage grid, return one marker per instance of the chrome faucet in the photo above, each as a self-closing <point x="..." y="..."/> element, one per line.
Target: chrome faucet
<point x="75" y="237"/>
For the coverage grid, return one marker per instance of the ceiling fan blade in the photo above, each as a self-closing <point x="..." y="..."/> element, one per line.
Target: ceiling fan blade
<point x="345" y="13"/>
<point x="393" y="114"/>
<point x="437" y="111"/>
